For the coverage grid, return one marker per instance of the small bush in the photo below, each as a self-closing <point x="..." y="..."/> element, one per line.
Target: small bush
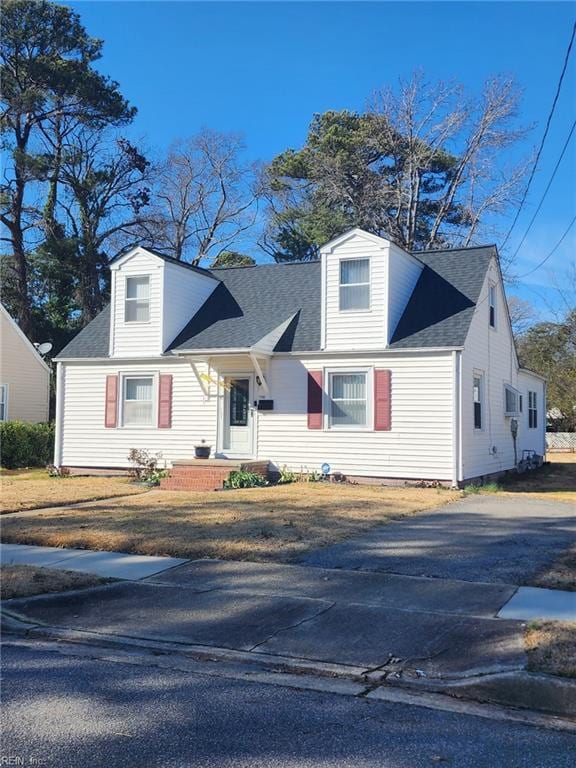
<point x="241" y="479"/>
<point x="26" y="445"/>
<point x="145" y="467"/>
<point x="286" y="476"/>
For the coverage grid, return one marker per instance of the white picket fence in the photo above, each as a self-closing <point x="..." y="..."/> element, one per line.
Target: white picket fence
<point x="561" y="441"/>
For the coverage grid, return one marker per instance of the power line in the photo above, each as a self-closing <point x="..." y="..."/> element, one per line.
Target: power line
<point x="541" y="147"/>
<point x="564" y="148"/>
<point x="552" y="252"/>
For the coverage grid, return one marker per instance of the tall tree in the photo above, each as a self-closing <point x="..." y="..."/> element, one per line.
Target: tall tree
<point x="105" y="192"/>
<point x="422" y="165"/>
<point x="48" y="80"/>
<point x="205" y="196"/>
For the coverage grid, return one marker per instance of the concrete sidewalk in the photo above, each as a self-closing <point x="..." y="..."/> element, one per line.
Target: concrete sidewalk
<point x="114" y="565"/>
<point x="419" y="627"/>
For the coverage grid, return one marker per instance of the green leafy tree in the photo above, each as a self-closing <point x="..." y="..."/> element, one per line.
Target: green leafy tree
<point x="422" y="165"/>
<point x="232" y="259"/>
<point x="550" y="350"/>
<point x="49" y="85"/>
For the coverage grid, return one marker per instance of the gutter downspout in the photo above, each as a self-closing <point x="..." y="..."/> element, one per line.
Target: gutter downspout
<point x="456" y="418"/>
<point x="58" y="416"/>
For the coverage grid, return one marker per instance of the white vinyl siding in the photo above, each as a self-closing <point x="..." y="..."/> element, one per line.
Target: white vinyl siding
<point x="137" y="339"/>
<point x="491" y="350"/>
<point x="23" y="373"/>
<point x="137" y="301"/>
<point x="347" y="394"/>
<point x="354" y="285"/>
<point x="185" y="291"/>
<point x="138" y="401"/>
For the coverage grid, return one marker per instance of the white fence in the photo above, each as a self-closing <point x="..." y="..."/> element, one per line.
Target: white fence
<point x="561" y="441"/>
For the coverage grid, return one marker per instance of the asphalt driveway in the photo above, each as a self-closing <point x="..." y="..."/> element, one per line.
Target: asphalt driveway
<point x="498" y="539"/>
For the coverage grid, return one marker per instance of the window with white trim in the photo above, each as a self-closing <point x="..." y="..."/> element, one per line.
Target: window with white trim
<point x="138" y="401"/>
<point x="511" y="396"/>
<point x="532" y="410"/>
<point x="348" y="399"/>
<point x="478" y="395"/>
<point x="3" y="402"/>
<point x="354" y="284"/>
<point x="492" y="305"/>
<point x="520" y="403"/>
<point x="137" y="302"/>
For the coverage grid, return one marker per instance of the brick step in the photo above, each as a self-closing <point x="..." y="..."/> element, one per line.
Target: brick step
<point x="205" y="477"/>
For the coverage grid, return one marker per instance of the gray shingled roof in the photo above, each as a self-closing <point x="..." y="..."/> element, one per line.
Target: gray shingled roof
<point x="442" y="304"/>
<point x="250" y="302"/>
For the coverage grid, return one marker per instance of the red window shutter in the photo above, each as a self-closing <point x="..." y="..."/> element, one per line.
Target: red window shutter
<point x="315" y="398"/>
<point x="165" y="401"/>
<point x="382" y="400"/>
<point x="111" y="406"/>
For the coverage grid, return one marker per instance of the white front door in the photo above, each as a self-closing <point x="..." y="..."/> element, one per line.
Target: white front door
<point x="238" y="431"/>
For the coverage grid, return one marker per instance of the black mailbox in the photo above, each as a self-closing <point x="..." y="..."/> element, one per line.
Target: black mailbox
<point x="265" y="405"/>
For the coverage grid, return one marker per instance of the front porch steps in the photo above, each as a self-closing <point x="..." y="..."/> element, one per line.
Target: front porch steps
<point x="208" y="474"/>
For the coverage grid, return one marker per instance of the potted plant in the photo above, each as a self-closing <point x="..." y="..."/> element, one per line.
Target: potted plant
<point x="202" y="450"/>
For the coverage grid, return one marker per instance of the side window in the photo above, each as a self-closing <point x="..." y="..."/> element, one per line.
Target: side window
<point x="137" y="304"/>
<point x="532" y="410"/>
<point x="492" y="305"/>
<point x="478" y="395"/>
<point x="354" y="284"/>
<point x="348" y="400"/>
<point x="138" y="403"/>
<point x="3" y="402"/>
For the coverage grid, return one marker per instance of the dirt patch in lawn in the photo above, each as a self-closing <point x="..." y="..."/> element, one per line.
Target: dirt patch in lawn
<point x="27" y="580"/>
<point x="551" y="647"/>
<point x="35" y="489"/>
<point x="278" y="523"/>
<point x="560" y="575"/>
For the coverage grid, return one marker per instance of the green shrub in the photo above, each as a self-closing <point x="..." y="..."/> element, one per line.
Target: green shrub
<point x="241" y="479"/>
<point x="286" y="476"/>
<point x="26" y="445"/>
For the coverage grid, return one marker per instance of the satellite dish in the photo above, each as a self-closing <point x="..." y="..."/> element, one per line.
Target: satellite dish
<point x="43" y="349"/>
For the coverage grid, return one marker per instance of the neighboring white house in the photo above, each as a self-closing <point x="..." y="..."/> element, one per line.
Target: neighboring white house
<point x="24" y="376"/>
<point x="375" y="361"/>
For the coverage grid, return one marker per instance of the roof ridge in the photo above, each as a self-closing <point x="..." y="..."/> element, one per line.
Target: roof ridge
<point x="267" y="264"/>
<point x="449" y="250"/>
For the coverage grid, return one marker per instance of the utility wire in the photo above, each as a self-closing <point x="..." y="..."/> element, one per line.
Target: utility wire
<point x="541" y="147"/>
<point x="564" y="148"/>
<point x="552" y="252"/>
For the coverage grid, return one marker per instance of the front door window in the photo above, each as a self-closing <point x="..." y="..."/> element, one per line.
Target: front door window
<point x="239" y="402"/>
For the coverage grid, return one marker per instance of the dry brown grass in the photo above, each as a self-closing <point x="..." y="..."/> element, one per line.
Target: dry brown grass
<point x="556" y="480"/>
<point x="561" y="574"/>
<point x="34" y="489"/>
<point x="26" y="580"/>
<point x="551" y="647"/>
<point x="276" y="523"/>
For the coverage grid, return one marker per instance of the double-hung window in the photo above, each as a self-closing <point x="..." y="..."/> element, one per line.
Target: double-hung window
<point x="492" y="305"/>
<point x="137" y="304"/>
<point x="138" y="401"/>
<point x="3" y="402"/>
<point x="478" y="393"/>
<point x="354" y="284"/>
<point x="532" y="410"/>
<point x="348" y="400"/>
<point x="511" y="404"/>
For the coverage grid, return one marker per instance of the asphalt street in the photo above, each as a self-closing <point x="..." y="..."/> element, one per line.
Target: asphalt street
<point x="60" y="711"/>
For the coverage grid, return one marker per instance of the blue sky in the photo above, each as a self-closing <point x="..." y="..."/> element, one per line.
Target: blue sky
<point x="264" y="68"/>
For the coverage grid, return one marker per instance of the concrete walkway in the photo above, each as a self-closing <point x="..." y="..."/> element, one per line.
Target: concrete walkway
<point x="499" y="539"/>
<point x="115" y="565"/>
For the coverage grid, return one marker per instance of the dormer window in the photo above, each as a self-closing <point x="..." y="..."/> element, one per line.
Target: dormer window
<point x="354" y="285"/>
<point x="137" y="303"/>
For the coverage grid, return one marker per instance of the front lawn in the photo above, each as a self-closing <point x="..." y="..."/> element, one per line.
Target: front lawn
<point x="277" y="523"/>
<point x="27" y="580"/>
<point x="551" y="647"/>
<point x="561" y="574"/>
<point x="33" y="489"/>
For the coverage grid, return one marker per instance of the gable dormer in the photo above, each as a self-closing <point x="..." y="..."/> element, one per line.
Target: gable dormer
<point x="366" y="283"/>
<point x="152" y="298"/>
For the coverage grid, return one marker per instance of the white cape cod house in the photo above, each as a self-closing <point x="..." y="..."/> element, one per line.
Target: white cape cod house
<point x="377" y="362"/>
